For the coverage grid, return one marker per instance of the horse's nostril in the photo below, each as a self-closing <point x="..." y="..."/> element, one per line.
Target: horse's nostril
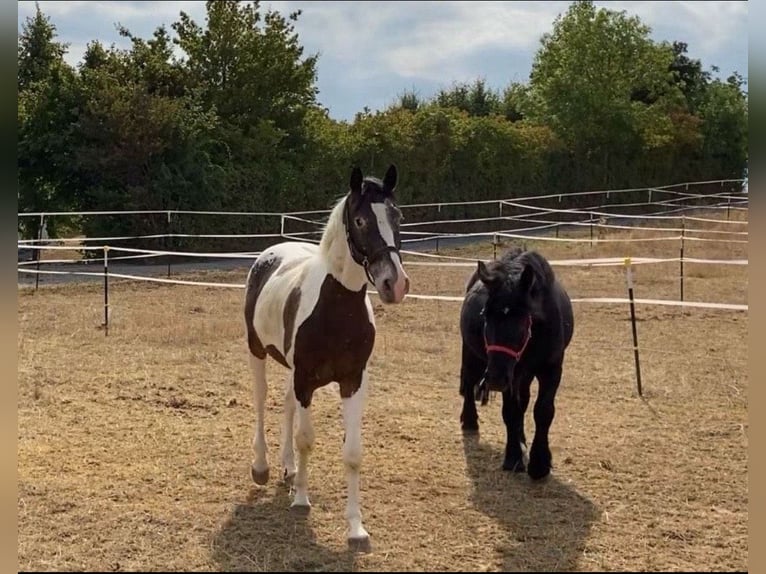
<point x="387" y="284"/>
<point x="407" y="285"/>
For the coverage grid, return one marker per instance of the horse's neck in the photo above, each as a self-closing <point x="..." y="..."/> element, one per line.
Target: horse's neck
<point x="340" y="264"/>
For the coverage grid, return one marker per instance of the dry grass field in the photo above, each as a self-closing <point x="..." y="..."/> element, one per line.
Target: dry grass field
<point x="134" y="448"/>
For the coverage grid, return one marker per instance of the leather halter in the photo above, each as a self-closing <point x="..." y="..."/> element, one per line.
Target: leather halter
<point x="359" y="256"/>
<point x="516" y="354"/>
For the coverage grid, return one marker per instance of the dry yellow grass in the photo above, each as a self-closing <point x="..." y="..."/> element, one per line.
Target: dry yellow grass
<point x="134" y="449"/>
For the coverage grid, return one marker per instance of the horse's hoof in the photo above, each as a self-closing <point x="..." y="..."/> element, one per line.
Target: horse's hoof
<point x="360" y="543"/>
<point x="514" y="465"/>
<point x="469" y="426"/>
<point x="301" y="503"/>
<point x="538" y="473"/>
<point x="259" y="476"/>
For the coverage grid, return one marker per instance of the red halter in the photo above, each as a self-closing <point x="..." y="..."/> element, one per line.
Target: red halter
<point x="509" y="351"/>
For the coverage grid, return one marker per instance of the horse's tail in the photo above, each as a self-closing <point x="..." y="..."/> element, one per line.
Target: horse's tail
<point x="251" y="295"/>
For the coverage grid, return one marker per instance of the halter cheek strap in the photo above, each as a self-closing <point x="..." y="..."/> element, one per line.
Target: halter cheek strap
<point x="515" y="353"/>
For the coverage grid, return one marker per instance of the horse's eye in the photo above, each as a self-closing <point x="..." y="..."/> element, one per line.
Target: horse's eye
<point x="359" y="222"/>
<point x="505" y="310"/>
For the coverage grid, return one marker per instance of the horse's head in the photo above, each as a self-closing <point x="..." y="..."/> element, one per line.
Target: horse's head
<point x="512" y="303"/>
<point x="372" y="221"/>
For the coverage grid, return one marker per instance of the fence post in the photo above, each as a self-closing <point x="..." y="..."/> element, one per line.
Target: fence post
<point x="683" y="234"/>
<point x="494" y="246"/>
<point x="106" y="290"/>
<point x="168" y="239"/>
<point x="629" y="277"/>
<point x="591" y="230"/>
<point x="39" y="250"/>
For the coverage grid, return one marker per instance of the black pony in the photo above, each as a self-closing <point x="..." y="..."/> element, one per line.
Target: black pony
<point x="516" y="323"/>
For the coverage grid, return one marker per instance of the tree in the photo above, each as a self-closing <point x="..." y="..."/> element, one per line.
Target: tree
<point x="250" y="67"/>
<point x="476" y="98"/>
<point x="586" y="74"/>
<point x="724" y="114"/>
<point x="688" y="75"/>
<point x="48" y="107"/>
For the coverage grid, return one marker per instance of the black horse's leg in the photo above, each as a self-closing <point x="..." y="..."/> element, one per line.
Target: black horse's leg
<point x="471" y="371"/>
<point x="540" y="453"/>
<point x="513" y="417"/>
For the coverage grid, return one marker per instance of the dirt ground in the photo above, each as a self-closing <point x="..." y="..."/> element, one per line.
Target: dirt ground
<point x="134" y="448"/>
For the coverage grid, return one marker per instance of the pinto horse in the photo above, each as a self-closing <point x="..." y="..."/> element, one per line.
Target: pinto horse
<point x="307" y="307"/>
<point x="516" y="323"/>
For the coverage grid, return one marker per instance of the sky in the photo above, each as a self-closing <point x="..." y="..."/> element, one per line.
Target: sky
<point x="371" y="52"/>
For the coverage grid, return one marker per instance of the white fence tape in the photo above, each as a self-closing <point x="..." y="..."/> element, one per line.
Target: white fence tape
<point x="609" y="300"/>
<point x="607" y="192"/>
<point x="595" y="262"/>
<point x="589" y="212"/>
<point x="451" y="298"/>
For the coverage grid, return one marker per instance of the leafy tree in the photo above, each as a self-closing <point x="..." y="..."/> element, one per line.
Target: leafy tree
<point x="476" y="98"/>
<point x="586" y="74"/>
<point x="47" y="110"/>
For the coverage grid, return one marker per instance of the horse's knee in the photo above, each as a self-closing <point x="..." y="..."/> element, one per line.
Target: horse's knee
<point x="304" y="439"/>
<point x="352" y="454"/>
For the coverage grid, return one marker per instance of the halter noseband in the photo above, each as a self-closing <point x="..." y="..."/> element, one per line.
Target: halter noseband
<point x="358" y="255"/>
<point x="516" y="354"/>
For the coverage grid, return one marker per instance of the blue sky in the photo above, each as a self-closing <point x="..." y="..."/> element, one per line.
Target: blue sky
<point x="370" y="52"/>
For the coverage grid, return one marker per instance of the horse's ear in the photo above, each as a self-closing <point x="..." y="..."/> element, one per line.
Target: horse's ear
<point x="527" y="280"/>
<point x="356" y="180"/>
<point x="390" y="179"/>
<point x="488" y="276"/>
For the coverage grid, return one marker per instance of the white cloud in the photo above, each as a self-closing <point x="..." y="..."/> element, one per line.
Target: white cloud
<point x="436" y="47"/>
<point x="115" y="11"/>
<point x="365" y="44"/>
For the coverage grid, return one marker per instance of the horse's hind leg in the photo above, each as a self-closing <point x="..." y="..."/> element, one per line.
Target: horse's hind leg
<point x="514" y="408"/>
<point x="471" y="370"/>
<point x="288" y="451"/>
<point x="260" y="466"/>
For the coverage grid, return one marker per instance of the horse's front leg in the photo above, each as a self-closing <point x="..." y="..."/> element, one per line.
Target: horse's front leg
<point x="514" y="407"/>
<point x="471" y="372"/>
<point x="540" y="454"/>
<point x="353" y="395"/>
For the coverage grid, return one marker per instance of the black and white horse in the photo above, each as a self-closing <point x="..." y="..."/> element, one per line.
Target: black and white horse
<point x="307" y="307"/>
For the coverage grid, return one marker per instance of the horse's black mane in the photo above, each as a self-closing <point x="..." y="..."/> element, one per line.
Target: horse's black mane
<point x="513" y="262"/>
<point x="518" y="259"/>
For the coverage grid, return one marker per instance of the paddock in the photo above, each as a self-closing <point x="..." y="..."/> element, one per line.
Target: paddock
<point x="134" y="449"/>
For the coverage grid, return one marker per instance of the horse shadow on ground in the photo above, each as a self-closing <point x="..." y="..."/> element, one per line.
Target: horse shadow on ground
<point x="547" y="522"/>
<point x="264" y="534"/>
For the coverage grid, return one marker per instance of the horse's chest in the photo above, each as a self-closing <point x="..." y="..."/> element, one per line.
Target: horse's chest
<point x="336" y="340"/>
